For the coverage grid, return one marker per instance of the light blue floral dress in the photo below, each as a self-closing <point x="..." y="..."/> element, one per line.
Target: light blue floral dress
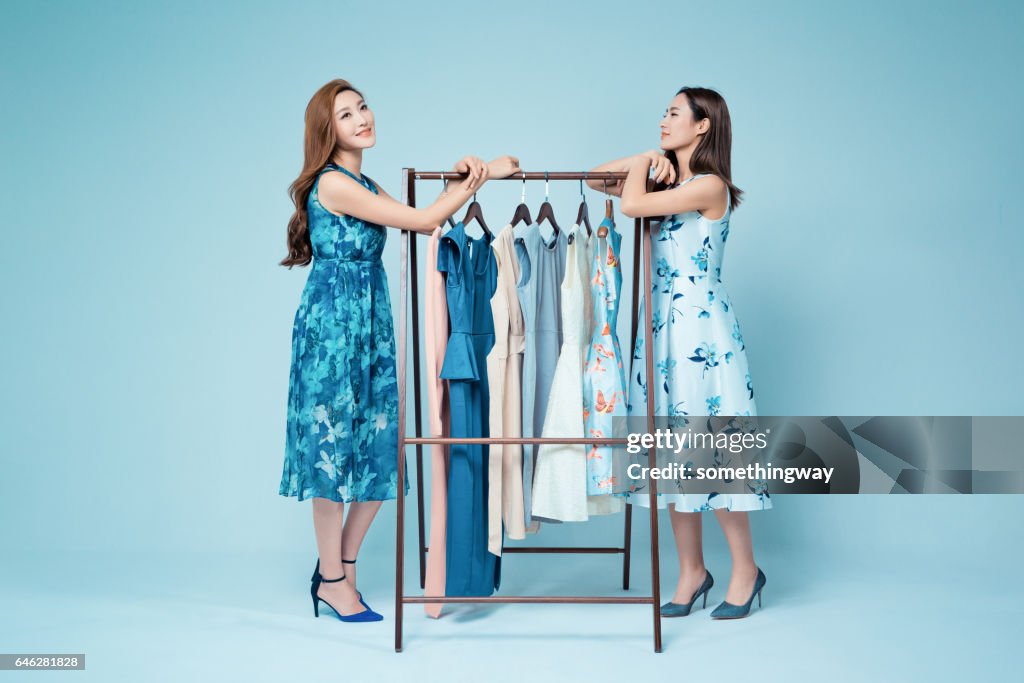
<point x="700" y="364"/>
<point x="342" y="427"/>
<point x="604" y="374"/>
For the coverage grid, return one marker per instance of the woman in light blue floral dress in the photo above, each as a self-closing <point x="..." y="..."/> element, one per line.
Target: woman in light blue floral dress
<point x="341" y="441"/>
<point x="700" y="364"/>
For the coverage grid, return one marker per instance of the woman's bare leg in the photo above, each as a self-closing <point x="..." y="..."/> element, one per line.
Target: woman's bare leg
<point x="736" y="526"/>
<point x="360" y="516"/>
<point x="686" y="528"/>
<point x="328" y="516"/>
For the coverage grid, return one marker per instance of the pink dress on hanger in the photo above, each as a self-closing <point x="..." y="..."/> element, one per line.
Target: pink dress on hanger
<point x="436" y="311"/>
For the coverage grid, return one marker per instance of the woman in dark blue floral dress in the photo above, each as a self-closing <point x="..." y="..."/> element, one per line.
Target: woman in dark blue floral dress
<point x="342" y="427"/>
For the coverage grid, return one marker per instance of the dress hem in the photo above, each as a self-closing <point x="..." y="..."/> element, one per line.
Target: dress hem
<point x="738" y="502"/>
<point x="339" y="499"/>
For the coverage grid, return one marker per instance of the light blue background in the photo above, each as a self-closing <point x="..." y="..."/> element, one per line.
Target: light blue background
<point x="147" y="148"/>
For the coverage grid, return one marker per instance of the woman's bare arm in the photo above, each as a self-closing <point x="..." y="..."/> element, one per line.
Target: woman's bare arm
<point x="343" y="195"/>
<point x="702" y="194"/>
<point x="612" y="187"/>
<point x="664" y="171"/>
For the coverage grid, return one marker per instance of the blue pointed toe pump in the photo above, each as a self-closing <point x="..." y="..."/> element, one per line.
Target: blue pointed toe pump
<point x="366" y="615"/>
<point x="727" y="610"/>
<point x="675" y="609"/>
<point x="316" y="573"/>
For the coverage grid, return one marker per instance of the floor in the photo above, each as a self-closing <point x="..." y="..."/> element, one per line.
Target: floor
<point x="207" y="617"/>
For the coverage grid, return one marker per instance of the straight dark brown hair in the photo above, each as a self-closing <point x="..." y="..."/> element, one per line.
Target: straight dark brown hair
<point x="714" y="151"/>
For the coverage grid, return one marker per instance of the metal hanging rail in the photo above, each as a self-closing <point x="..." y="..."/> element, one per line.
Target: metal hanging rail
<point x="409" y="275"/>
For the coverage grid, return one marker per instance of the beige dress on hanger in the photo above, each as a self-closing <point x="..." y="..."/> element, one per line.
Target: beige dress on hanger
<point x="436" y="327"/>
<point x="504" y="378"/>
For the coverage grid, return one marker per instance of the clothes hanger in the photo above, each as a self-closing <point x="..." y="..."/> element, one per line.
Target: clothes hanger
<point x="547" y="212"/>
<point x="522" y="211"/>
<point x="475" y="212"/>
<point x="450" y="221"/>
<point x="602" y="231"/>
<point x="584" y="212"/>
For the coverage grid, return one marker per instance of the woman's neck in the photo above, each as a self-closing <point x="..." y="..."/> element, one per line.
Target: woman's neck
<point x="350" y="160"/>
<point x="683" y="157"/>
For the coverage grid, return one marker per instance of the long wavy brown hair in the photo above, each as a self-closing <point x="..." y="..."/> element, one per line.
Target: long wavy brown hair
<point x="714" y="151"/>
<point x="319" y="147"/>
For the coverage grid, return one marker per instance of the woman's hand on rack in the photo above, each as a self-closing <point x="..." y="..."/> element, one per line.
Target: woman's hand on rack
<point x="504" y="166"/>
<point x="476" y="168"/>
<point x="641" y="163"/>
<point x="661" y="168"/>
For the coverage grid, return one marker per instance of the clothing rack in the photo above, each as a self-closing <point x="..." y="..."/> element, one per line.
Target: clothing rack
<point x="409" y="273"/>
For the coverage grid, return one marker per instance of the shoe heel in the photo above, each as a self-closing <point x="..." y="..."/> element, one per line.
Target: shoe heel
<point x="727" y="610"/>
<point x="705" y="600"/>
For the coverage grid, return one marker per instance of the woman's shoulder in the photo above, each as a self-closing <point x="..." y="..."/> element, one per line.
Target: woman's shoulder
<point x="338" y="178"/>
<point x="333" y="189"/>
<point x="712" y="180"/>
<point x="712" y="185"/>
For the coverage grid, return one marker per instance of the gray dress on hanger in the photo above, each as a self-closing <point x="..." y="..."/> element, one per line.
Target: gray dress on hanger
<point x="542" y="268"/>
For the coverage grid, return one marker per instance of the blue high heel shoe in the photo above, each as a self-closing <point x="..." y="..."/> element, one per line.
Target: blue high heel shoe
<point x="316" y="573"/>
<point x="675" y="609"/>
<point x="727" y="610"/>
<point x="366" y="615"/>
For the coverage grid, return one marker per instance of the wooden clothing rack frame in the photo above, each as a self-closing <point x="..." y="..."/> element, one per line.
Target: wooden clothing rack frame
<point x="409" y="275"/>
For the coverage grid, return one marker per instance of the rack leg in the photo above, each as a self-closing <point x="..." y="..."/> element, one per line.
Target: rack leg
<point x="403" y="312"/>
<point x="417" y="398"/>
<point x="626" y="546"/>
<point x="652" y="458"/>
<point x="627" y="543"/>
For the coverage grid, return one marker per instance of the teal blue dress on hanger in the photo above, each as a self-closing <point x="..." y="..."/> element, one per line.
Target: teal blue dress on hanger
<point x="471" y="276"/>
<point x="342" y="426"/>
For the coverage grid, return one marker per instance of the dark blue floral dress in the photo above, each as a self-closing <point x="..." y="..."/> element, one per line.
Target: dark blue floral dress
<point x="342" y="430"/>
